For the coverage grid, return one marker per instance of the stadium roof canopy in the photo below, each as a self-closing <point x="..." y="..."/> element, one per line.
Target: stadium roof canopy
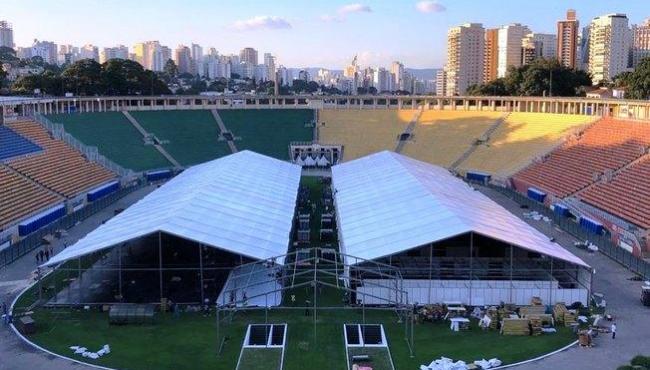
<point x="388" y="203"/>
<point x="243" y="203"/>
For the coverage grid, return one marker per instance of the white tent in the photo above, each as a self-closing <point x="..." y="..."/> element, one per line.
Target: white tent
<point x="243" y="203"/>
<point x="387" y="203"/>
<point x="309" y="161"/>
<point x="322" y="161"/>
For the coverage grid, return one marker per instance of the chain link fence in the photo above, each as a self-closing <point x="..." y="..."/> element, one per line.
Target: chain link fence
<point x="604" y="242"/>
<point x="35" y="239"/>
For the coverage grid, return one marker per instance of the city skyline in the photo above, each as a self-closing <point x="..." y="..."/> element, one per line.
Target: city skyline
<point x="297" y="36"/>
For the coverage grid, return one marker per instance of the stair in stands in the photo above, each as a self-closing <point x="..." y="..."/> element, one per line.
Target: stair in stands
<point x="144" y="133"/>
<point x="408" y="130"/>
<point x="484" y="137"/>
<point x="223" y="129"/>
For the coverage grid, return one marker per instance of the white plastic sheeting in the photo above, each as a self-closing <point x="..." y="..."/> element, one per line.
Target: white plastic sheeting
<point x="388" y="203"/>
<point x="243" y="203"/>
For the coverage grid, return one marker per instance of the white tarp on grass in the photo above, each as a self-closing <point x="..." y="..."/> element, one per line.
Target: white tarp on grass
<point x="242" y="203"/>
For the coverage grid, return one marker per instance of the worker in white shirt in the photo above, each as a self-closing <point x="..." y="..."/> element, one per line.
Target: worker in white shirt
<point x="613" y="330"/>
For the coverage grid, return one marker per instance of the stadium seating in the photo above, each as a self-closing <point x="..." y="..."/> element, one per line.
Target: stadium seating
<point x="14" y="145"/>
<point x="269" y="131"/>
<point x="441" y="137"/>
<point x="627" y="195"/>
<point x="362" y="132"/>
<point x="21" y="197"/>
<point x="114" y="137"/>
<point x="521" y="138"/>
<point x="59" y="167"/>
<point x="189" y="136"/>
<point x="608" y="145"/>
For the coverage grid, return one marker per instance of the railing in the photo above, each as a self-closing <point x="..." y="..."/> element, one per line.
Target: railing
<point x="91" y="152"/>
<point x="604" y="243"/>
<point x="35" y="239"/>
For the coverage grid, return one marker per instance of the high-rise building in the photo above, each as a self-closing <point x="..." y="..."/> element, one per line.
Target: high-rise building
<point x="269" y="63"/>
<point x="640" y="42"/>
<point x="397" y="70"/>
<point x="441" y="83"/>
<point x="609" y="47"/>
<point x="68" y="54"/>
<point x="151" y="55"/>
<point x="538" y="46"/>
<point x="582" y="59"/>
<point x="6" y="34"/>
<point x="47" y="50"/>
<point x="381" y="79"/>
<point x="567" y="39"/>
<point x="89" y="51"/>
<point x="116" y="52"/>
<point x="491" y="55"/>
<point x="183" y="59"/>
<point x="197" y="60"/>
<point x="248" y="55"/>
<point x="510" y="38"/>
<point x="465" y="45"/>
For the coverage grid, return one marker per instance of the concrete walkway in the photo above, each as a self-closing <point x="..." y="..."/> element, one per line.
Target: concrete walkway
<point x="14" y="353"/>
<point x="222" y="127"/>
<point x="144" y="133"/>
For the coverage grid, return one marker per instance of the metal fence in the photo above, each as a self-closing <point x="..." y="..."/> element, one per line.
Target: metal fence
<point x="604" y="243"/>
<point x="35" y="239"/>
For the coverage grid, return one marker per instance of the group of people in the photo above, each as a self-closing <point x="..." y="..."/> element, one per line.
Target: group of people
<point x="44" y="254"/>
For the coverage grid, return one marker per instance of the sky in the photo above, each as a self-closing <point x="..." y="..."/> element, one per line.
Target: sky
<point x="312" y="33"/>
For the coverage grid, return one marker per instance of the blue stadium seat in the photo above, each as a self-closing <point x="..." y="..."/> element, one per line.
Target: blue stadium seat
<point x="14" y="145"/>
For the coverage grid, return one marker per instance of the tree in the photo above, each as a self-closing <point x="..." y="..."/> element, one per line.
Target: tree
<point x="7" y="55"/>
<point x="637" y="82"/>
<point x="170" y="70"/>
<point x="122" y="77"/>
<point x="85" y="77"/>
<point x="493" y="88"/>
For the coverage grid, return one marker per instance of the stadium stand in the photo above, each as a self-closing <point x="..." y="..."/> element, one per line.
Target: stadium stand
<point x="21" y="196"/>
<point x="362" y="132"/>
<point x="521" y="138"/>
<point x="114" y="137"/>
<point x="190" y="136"/>
<point x="59" y="167"/>
<point x="441" y="137"/>
<point x="608" y="145"/>
<point x="269" y="131"/>
<point x="13" y="145"/>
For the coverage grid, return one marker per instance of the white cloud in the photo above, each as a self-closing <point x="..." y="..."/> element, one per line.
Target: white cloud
<point x="354" y="8"/>
<point x="331" y="18"/>
<point x="429" y="6"/>
<point x="261" y="22"/>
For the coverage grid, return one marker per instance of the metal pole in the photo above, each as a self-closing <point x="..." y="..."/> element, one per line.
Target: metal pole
<point x="315" y="285"/>
<point x="217" y="315"/>
<point x="160" y="273"/>
<point x="550" y="285"/>
<point x="511" y="287"/>
<point x="201" y="271"/>
<point x="412" y="330"/>
<point x="80" y="279"/>
<point x="471" y="264"/>
<point x="119" y="267"/>
<point x="430" y="267"/>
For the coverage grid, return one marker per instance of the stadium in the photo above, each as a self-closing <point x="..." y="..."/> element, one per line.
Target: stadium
<point x="268" y="232"/>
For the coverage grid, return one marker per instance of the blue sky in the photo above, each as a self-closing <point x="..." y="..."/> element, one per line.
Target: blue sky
<point x="313" y="33"/>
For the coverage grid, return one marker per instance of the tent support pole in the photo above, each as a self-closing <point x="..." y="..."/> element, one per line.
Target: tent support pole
<point x="471" y="264"/>
<point x="430" y="267"/>
<point x="201" y="271"/>
<point x="550" y="285"/>
<point x="160" y="272"/>
<point x="80" y="279"/>
<point x="511" y="258"/>
<point x="119" y="271"/>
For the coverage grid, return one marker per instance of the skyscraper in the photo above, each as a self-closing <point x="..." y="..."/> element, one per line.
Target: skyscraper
<point x="197" y="60"/>
<point x="640" y="42"/>
<point x="269" y="64"/>
<point x="609" y="47"/>
<point x="116" y="52"/>
<point x="538" y="46"/>
<point x="510" y="38"/>
<point x="491" y="55"/>
<point x="183" y="59"/>
<point x="44" y="49"/>
<point x="567" y="39"/>
<point x="397" y="70"/>
<point x="465" y="46"/>
<point x="6" y="34"/>
<point x="248" y="55"/>
<point x="89" y="51"/>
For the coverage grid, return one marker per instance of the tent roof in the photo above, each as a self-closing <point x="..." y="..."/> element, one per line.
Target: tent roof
<point x="243" y="203"/>
<point x="388" y="203"/>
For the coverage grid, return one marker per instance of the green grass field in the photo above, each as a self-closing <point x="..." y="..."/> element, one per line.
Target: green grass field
<point x="114" y="137"/>
<point x="269" y="131"/>
<point x="380" y="360"/>
<point x="260" y="359"/>
<point x="192" y="135"/>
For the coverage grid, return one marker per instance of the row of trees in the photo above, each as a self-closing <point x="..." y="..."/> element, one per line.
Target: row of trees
<point x="88" y="77"/>
<point x="542" y="77"/>
<point x="637" y="82"/>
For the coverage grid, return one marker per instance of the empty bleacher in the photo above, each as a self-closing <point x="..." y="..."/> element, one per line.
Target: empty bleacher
<point x="13" y="145"/>
<point x="362" y="132"/>
<point x="189" y="136"/>
<point x="58" y="167"/>
<point x="21" y="197"/>
<point x="521" y="138"/>
<point x="269" y="131"/>
<point x="608" y="145"/>
<point x="627" y="195"/>
<point x="114" y="137"/>
<point x="441" y="137"/>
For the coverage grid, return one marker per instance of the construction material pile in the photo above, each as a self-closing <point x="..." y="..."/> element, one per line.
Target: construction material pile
<point x="83" y="351"/>
<point x="445" y="363"/>
<point x="515" y="326"/>
<point x="563" y="316"/>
